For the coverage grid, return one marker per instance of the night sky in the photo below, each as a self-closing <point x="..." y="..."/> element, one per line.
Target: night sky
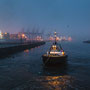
<point x="68" y="17"/>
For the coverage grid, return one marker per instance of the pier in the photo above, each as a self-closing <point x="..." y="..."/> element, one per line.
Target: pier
<point x="11" y="49"/>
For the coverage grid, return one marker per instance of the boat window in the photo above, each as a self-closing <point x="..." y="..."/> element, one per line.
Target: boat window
<point x="55" y="48"/>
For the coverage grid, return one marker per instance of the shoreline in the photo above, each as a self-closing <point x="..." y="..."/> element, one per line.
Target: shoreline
<point x="88" y="41"/>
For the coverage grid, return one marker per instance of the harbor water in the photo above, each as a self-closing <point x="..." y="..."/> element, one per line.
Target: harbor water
<point x="26" y="71"/>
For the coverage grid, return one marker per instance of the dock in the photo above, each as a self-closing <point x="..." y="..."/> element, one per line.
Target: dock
<point x="11" y="49"/>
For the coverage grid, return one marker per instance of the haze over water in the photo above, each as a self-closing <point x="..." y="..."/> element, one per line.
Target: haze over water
<point x="68" y="17"/>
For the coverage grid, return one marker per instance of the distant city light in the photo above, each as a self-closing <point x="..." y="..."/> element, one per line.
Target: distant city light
<point x="60" y="38"/>
<point x="1" y="35"/>
<point x="5" y="32"/>
<point x="69" y="39"/>
<point x="23" y="35"/>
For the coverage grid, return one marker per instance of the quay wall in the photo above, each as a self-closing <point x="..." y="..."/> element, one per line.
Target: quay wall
<point x="6" y="51"/>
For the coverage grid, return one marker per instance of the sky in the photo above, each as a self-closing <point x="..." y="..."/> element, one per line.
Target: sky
<point x="67" y="17"/>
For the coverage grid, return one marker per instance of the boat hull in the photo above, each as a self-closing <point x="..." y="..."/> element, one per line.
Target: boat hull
<point x="54" y="59"/>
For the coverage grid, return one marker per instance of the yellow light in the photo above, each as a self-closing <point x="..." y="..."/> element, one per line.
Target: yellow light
<point x="54" y="47"/>
<point x="55" y="32"/>
<point x="58" y="82"/>
<point x="63" y="53"/>
<point x="23" y="36"/>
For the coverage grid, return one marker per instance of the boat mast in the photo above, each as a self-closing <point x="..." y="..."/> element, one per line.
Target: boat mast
<point x="55" y="37"/>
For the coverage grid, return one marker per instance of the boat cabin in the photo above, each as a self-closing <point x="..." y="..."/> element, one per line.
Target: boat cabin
<point x="56" y="50"/>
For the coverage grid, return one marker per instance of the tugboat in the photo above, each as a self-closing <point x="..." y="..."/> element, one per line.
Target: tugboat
<point x="55" y="55"/>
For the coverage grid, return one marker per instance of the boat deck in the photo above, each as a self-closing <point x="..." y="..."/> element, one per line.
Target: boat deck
<point x="50" y="55"/>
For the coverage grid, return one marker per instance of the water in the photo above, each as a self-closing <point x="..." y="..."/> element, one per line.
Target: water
<point x="25" y="70"/>
<point x="8" y="45"/>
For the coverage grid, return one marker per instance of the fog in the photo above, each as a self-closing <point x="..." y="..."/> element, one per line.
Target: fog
<point x="67" y="17"/>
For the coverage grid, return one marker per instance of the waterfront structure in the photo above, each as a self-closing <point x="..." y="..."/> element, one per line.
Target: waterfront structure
<point x="60" y="38"/>
<point x="6" y="35"/>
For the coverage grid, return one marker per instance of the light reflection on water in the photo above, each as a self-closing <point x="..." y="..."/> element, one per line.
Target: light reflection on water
<point x="26" y="51"/>
<point x="58" y="82"/>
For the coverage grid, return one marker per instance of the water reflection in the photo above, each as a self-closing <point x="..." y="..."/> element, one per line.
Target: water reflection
<point x="26" y="51"/>
<point x="55" y="70"/>
<point x="64" y="82"/>
<point x="56" y="77"/>
<point x="59" y="82"/>
<point x="38" y="47"/>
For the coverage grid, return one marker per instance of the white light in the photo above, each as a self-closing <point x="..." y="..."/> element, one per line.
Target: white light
<point x="55" y="53"/>
<point x="1" y="36"/>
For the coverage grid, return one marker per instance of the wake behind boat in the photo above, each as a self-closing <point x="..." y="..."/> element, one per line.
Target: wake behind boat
<point x="55" y="55"/>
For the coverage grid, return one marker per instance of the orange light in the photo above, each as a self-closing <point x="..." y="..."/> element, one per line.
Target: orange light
<point x="23" y="35"/>
<point x="69" y="39"/>
<point x="5" y="32"/>
<point x="63" y="53"/>
<point x="26" y="50"/>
